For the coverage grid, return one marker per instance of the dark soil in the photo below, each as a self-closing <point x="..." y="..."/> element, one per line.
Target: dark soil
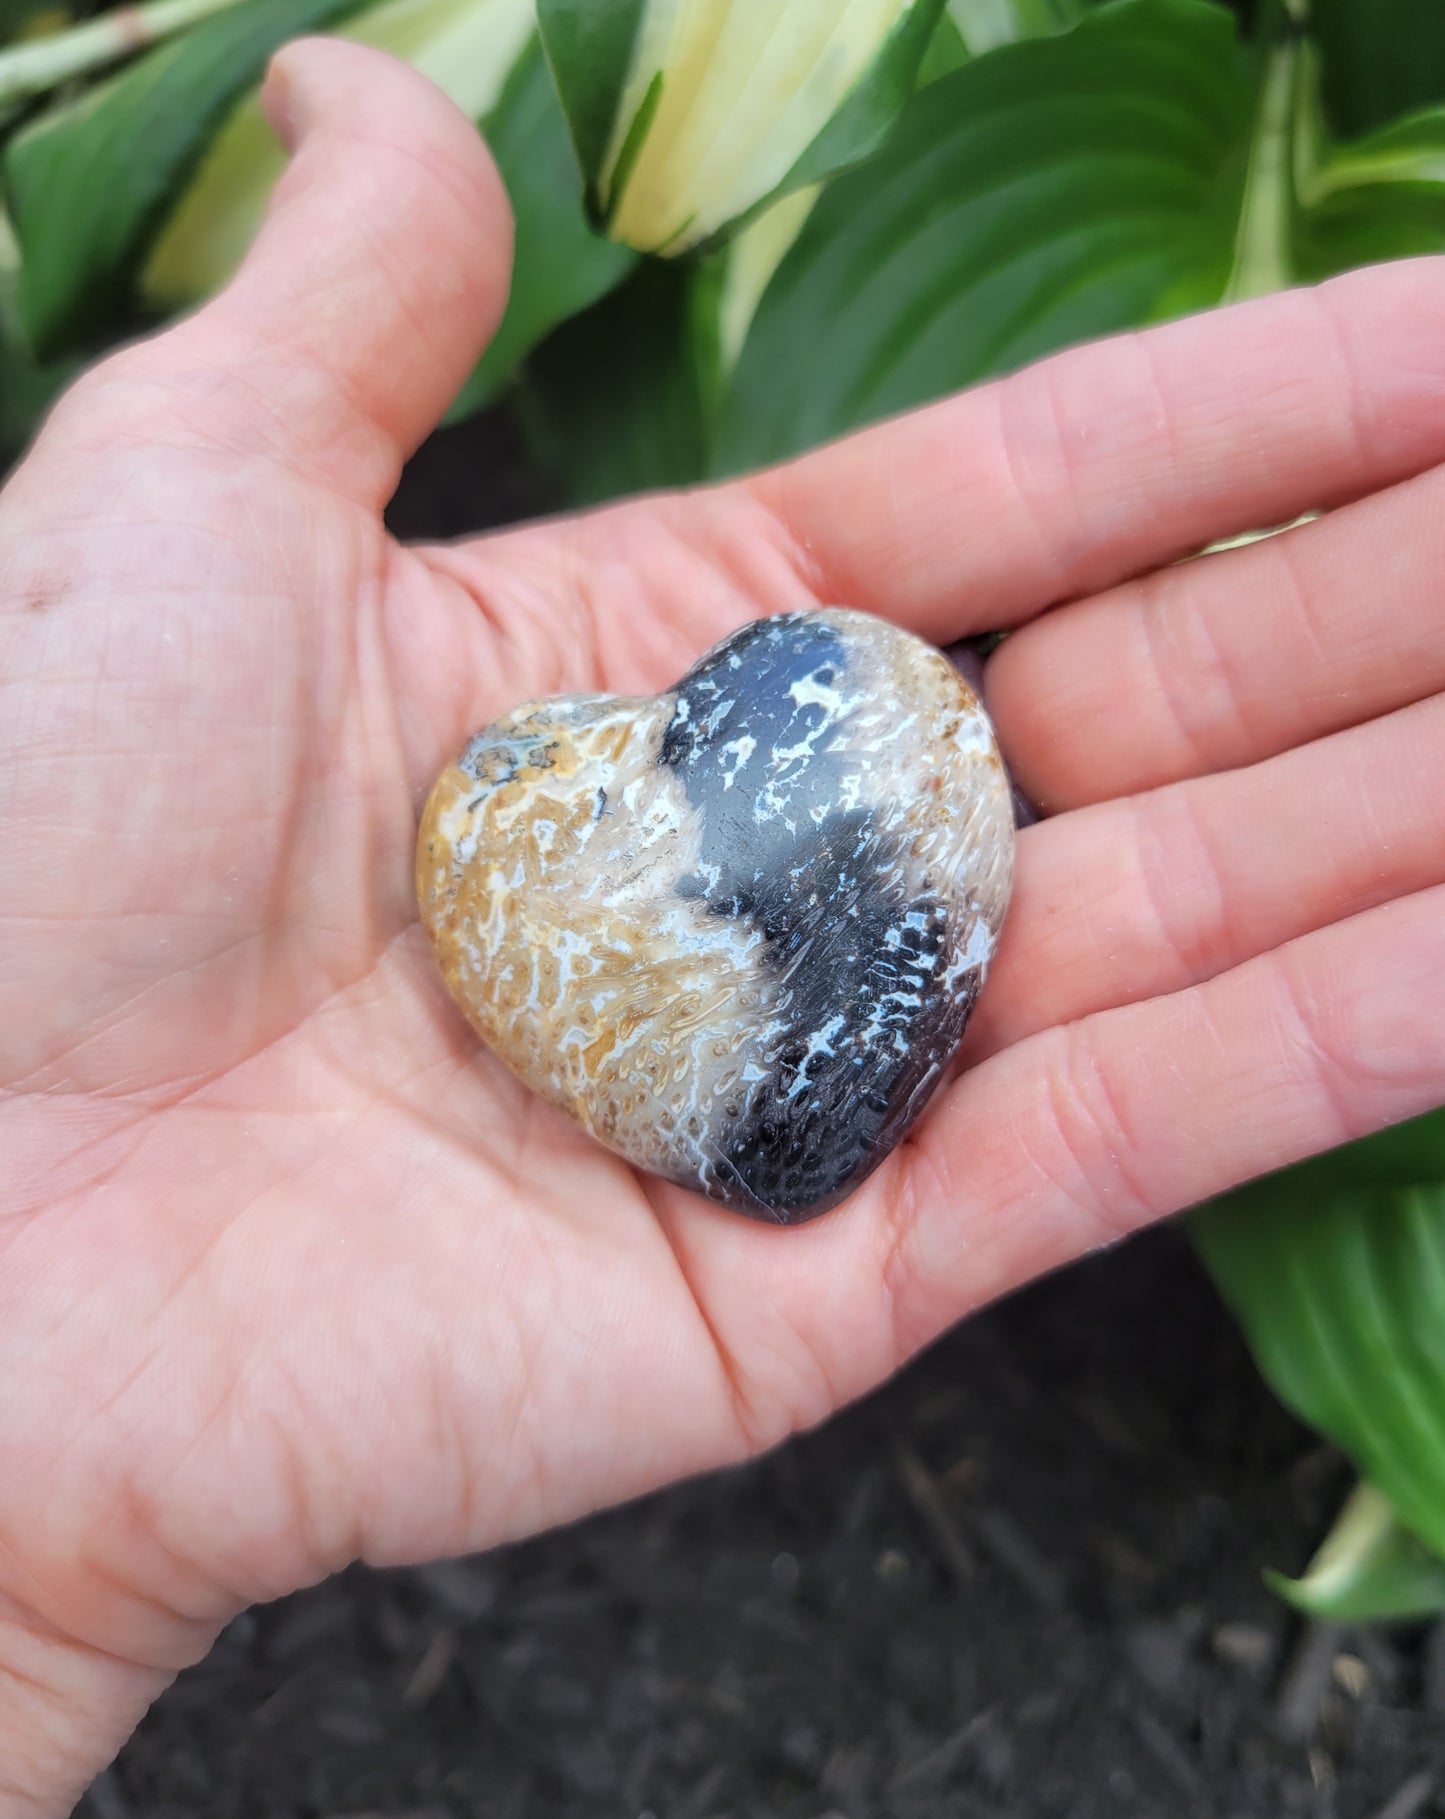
<point x="468" y="478"/>
<point x="1021" y="1582"/>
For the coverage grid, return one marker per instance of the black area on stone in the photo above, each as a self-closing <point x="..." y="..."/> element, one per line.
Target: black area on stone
<point x="842" y="937"/>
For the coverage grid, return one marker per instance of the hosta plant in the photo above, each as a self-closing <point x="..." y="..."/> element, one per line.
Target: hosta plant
<point x="743" y="229"/>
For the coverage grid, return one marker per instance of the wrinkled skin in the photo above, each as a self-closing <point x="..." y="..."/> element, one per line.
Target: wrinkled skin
<point x="290" y="1273"/>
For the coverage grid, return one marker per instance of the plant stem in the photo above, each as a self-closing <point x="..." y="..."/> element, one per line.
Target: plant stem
<point x="32" y="69"/>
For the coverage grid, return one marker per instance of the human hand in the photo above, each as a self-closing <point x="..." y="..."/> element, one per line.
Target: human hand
<point x="290" y="1272"/>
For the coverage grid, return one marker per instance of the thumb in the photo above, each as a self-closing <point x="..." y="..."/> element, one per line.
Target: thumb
<point x="378" y="276"/>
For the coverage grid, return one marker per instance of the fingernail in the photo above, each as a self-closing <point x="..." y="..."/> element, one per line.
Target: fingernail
<point x="278" y="103"/>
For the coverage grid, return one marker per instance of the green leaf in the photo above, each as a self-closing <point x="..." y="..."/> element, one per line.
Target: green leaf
<point x="1369" y="1569"/>
<point x="690" y="115"/>
<point x="1048" y="192"/>
<point x="1263" y="239"/>
<point x="467" y="47"/>
<point x="26" y="386"/>
<point x="743" y="268"/>
<point x="946" y="52"/>
<point x="1336" y="1271"/>
<point x="27" y="389"/>
<point x="560" y="265"/>
<point x="862" y="123"/>
<point x="1378" y="197"/>
<point x="589" y="44"/>
<point x="1381" y="58"/>
<point x="485" y="55"/>
<point x="89" y="182"/>
<point x="612" y="403"/>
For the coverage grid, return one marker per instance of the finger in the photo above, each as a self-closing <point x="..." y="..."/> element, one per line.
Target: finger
<point x="1224" y="661"/>
<point x="1087" y="1132"/>
<point x="1142" y="897"/>
<point x="378" y="276"/>
<point x="1110" y="459"/>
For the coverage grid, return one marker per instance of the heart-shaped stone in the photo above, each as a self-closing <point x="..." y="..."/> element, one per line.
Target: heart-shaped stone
<point x="735" y="930"/>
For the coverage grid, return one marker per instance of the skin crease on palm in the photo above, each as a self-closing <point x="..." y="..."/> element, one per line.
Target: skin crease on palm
<point x="291" y="1273"/>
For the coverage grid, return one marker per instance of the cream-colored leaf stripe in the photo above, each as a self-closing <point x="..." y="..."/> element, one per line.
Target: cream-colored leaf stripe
<point x="752" y="258"/>
<point x="746" y="87"/>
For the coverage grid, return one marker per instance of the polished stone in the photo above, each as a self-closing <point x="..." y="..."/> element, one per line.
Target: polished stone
<point x="734" y="929"/>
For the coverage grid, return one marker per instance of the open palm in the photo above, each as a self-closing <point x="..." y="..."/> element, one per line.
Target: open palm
<point x="290" y="1272"/>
